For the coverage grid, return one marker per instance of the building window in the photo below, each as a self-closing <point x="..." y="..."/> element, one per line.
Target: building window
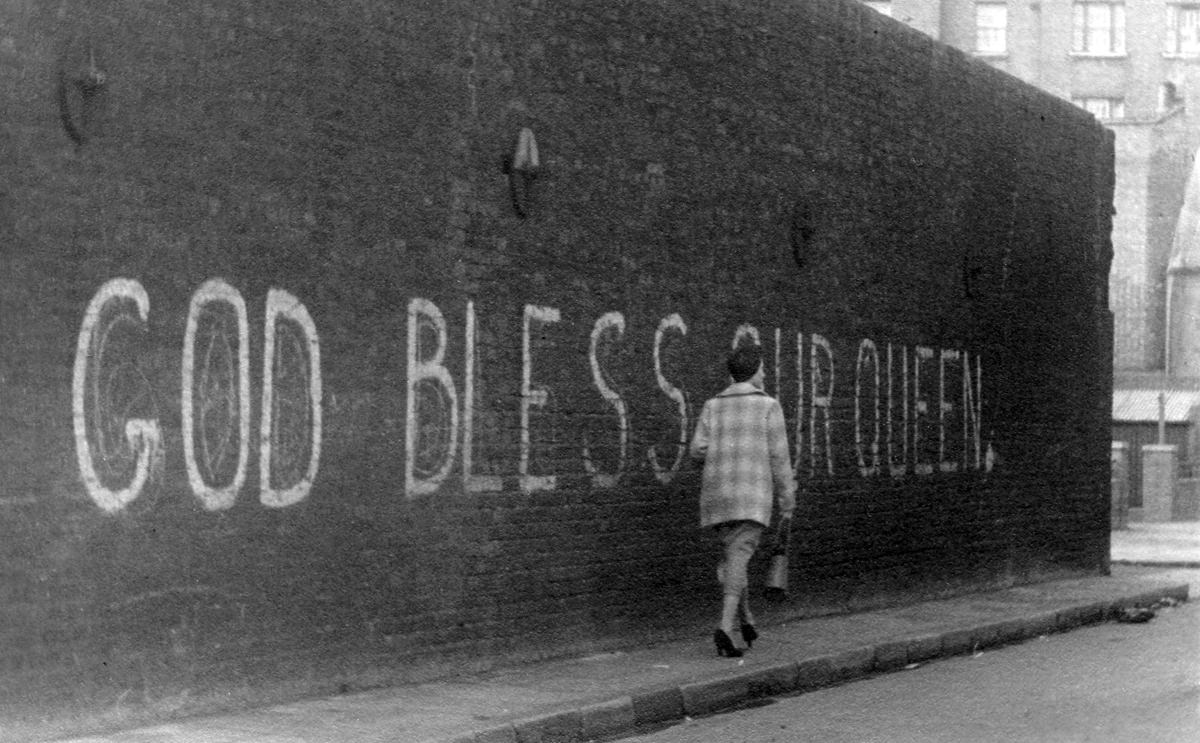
<point x="883" y="7"/>
<point x="1104" y="109"/>
<point x="1168" y="97"/>
<point x="1183" y="29"/>
<point x="991" y="28"/>
<point x="1099" y="27"/>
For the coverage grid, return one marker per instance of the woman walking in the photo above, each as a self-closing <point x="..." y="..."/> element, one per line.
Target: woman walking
<point x="742" y="440"/>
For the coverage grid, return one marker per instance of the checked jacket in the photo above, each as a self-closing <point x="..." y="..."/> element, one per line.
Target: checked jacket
<point x="742" y="440"/>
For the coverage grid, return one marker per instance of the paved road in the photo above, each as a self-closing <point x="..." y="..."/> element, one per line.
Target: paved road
<point x="1108" y="683"/>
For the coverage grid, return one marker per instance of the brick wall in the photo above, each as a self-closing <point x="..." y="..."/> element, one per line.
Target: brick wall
<point x="293" y="398"/>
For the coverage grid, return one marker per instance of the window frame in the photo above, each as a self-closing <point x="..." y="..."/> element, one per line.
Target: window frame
<point x="999" y="31"/>
<point x="1085" y="29"/>
<point x="1114" y="105"/>
<point x="1173" y="39"/>
<point x="882" y="7"/>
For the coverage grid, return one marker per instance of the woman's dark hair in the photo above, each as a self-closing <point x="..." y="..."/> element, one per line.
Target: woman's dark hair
<point x="744" y="362"/>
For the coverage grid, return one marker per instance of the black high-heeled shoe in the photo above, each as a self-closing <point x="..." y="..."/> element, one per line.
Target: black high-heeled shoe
<point x="725" y="647"/>
<point x="749" y="634"/>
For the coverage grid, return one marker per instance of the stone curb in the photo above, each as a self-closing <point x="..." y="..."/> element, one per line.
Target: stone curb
<point x="1185" y="564"/>
<point x="607" y="720"/>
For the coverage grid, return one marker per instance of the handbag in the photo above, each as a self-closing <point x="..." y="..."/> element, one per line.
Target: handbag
<point x="777" y="575"/>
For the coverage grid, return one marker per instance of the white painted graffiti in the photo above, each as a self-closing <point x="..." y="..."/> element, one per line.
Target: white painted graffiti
<point x="915" y="409"/>
<point x="532" y="397"/>
<point x="867" y="355"/>
<point x="291" y="402"/>
<point x="665" y="474"/>
<point x="224" y="410"/>
<point x="432" y="404"/>
<point x="886" y="436"/>
<point x="471" y="481"/>
<point x="431" y="387"/>
<point x="110" y="396"/>
<point x="615" y="322"/>
<point x="106" y="390"/>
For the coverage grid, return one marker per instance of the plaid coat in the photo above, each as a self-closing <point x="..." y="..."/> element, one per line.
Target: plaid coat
<point x="743" y="442"/>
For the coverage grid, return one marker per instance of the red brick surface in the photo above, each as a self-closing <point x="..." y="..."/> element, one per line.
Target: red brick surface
<point x="828" y="177"/>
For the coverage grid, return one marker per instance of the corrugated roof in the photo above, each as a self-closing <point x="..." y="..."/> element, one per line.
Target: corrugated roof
<point x="1137" y="406"/>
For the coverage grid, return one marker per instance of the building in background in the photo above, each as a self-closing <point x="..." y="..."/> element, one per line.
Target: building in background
<point x="1132" y="64"/>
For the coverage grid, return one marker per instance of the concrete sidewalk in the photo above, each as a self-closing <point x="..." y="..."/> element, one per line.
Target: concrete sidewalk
<point x="1172" y="544"/>
<point x="616" y="694"/>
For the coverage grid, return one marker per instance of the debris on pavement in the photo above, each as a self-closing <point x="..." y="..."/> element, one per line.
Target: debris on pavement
<point x="1135" y="614"/>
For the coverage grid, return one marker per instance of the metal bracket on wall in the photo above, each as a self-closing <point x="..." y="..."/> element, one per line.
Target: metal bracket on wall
<point x="800" y="232"/>
<point x="971" y="273"/>
<point x="522" y="168"/>
<point x="81" y="96"/>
